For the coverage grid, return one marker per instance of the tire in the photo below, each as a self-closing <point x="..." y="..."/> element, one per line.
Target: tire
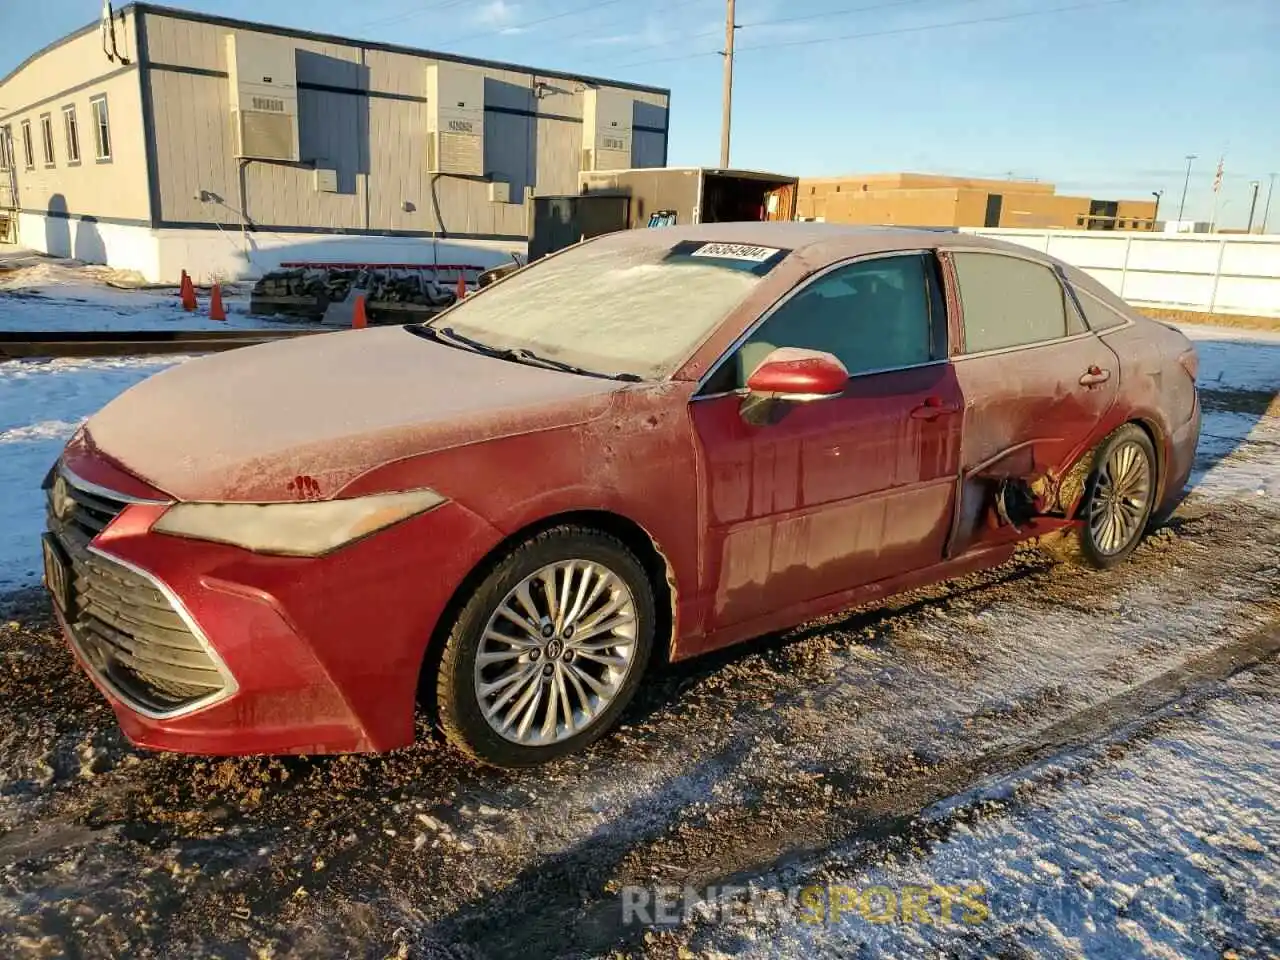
<point x="494" y="665"/>
<point x="1114" y="523"/>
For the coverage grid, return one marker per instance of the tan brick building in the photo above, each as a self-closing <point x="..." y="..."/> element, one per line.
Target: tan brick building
<point x="929" y="200"/>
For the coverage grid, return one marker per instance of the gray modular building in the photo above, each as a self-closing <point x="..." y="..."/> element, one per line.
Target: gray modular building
<point x="161" y="139"/>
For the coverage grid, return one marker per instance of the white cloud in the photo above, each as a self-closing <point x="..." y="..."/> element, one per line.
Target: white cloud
<point x="499" y="15"/>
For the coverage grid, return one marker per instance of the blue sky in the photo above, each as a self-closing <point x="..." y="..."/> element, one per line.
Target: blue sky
<point x="1104" y="100"/>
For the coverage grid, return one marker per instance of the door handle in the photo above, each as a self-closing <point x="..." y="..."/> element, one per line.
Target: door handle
<point x="932" y="408"/>
<point x="1094" y="376"/>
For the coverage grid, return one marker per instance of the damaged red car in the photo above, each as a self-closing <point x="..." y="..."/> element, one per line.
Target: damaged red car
<point x="652" y="444"/>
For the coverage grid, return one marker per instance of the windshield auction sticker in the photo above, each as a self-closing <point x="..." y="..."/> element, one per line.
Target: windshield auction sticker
<point x="735" y="256"/>
<point x="735" y="251"/>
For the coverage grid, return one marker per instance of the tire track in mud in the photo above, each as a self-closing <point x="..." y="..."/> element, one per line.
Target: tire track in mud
<point x="765" y="755"/>
<point x="749" y="844"/>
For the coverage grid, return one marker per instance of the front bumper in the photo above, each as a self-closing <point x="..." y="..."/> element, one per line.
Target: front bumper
<point x="316" y="655"/>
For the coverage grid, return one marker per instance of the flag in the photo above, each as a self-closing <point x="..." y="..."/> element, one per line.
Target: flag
<point x="1217" y="177"/>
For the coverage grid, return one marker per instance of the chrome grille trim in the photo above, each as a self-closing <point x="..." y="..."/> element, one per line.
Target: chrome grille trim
<point x="101" y="492"/>
<point x="128" y="626"/>
<point x="229" y="686"/>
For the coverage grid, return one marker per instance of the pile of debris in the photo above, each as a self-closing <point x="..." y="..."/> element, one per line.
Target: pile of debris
<point x="394" y="293"/>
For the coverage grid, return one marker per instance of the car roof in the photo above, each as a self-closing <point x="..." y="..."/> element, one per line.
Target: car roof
<point x="819" y="242"/>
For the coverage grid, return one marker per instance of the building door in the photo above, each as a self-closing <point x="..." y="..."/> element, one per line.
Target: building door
<point x="994" y="203"/>
<point x="8" y="188"/>
<point x="1102" y="214"/>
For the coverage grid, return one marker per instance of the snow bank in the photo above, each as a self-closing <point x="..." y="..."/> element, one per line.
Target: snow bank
<point x="50" y="294"/>
<point x="41" y="405"/>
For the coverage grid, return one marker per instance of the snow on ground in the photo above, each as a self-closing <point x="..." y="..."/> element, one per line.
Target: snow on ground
<point x="41" y="405"/>
<point x="50" y="294"/>
<point x="1235" y="358"/>
<point x="1239" y="379"/>
<point x="1170" y="852"/>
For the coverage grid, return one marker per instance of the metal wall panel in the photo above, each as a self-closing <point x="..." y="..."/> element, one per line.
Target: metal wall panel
<point x="648" y="149"/>
<point x="374" y="136"/>
<point x="559" y="157"/>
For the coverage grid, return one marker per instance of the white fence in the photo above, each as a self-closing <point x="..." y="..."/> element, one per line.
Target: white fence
<point x="1210" y="273"/>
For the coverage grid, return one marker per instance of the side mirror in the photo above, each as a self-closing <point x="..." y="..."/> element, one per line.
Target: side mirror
<point x="798" y="376"/>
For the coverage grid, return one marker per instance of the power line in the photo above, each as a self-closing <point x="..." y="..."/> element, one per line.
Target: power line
<point x="410" y="14"/>
<point x="883" y="33"/>
<point x="532" y="23"/>
<point x="850" y="11"/>
<point x="594" y="31"/>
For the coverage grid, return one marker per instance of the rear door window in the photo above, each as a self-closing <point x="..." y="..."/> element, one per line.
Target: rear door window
<point x="881" y="314"/>
<point x="1011" y="302"/>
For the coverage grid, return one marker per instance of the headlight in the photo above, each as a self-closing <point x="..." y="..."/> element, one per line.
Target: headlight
<point x="308" y="529"/>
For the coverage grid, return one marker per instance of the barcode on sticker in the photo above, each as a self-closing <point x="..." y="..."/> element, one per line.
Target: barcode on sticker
<point x="735" y="251"/>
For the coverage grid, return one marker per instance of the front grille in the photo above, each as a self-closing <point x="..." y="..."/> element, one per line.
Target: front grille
<point x="91" y="511"/>
<point x="123" y="625"/>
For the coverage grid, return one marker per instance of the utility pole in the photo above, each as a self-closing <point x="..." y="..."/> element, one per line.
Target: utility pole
<point x="1183" y="205"/>
<point x="1266" y="210"/>
<point x="1253" y="205"/>
<point x="729" y="28"/>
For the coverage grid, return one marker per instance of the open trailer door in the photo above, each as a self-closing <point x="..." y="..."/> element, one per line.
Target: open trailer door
<point x="780" y="203"/>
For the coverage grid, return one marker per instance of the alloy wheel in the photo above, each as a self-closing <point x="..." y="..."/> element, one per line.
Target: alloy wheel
<point x="1118" y="507"/>
<point x="555" y="652"/>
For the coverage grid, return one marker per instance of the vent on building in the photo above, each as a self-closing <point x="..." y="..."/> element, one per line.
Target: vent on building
<point x="455" y="120"/>
<point x="264" y="96"/>
<point x="606" y="129"/>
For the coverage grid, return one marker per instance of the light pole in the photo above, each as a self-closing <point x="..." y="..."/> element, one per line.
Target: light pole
<point x="1266" y="210"/>
<point x="1253" y="205"/>
<point x="1155" y="214"/>
<point x="1183" y="205"/>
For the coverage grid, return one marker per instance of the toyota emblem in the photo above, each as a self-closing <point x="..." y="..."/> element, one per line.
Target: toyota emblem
<point x="60" y="497"/>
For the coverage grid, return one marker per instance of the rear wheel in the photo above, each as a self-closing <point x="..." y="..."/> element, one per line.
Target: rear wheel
<point x="1118" y="497"/>
<point x="549" y="649"/>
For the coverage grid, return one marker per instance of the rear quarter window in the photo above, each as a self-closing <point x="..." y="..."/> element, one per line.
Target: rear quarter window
<point x="1097" y="314"/>
<point x="1011" y="302"/>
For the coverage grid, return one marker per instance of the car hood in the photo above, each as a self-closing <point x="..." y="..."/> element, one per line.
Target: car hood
<point x="304" y="417"/>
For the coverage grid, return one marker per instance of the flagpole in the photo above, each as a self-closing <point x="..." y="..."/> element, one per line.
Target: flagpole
<point x="1217" y="192"/>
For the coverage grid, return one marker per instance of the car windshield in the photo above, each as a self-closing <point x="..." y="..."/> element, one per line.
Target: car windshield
<point x="616" y="307"/>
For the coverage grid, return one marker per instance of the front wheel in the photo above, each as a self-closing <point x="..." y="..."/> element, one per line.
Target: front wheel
<point x="1119" y="496"/>
<point x="548" y="650"/>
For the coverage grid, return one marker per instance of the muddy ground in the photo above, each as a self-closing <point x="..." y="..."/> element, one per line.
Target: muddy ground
<point x="758" y="761"/>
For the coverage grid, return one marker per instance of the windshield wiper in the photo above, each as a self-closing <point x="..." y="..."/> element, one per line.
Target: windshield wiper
<point x="517" y="355"/>
<point x="528" y="356"/>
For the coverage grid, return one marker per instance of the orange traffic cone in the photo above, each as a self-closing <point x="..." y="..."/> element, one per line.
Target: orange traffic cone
<point x="188" y="292"/>
<point x="216" y="310"/>
<point x="462" y="285"/>
<point x="358" y="319"/>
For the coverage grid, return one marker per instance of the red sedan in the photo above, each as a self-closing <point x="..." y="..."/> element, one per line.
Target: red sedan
<point x="656" y="443"/>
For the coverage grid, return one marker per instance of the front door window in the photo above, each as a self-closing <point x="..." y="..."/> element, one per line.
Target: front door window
<point x="882" y="314"/>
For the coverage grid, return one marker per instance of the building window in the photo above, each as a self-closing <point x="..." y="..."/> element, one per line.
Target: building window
<point x="1079" y="221"/>
<point x="6" y="147"/>
<point x="28" y="152"/>
<point x="101" y="128"/>
<point x="72" y="130"/>
<point x="46" y="137"/>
